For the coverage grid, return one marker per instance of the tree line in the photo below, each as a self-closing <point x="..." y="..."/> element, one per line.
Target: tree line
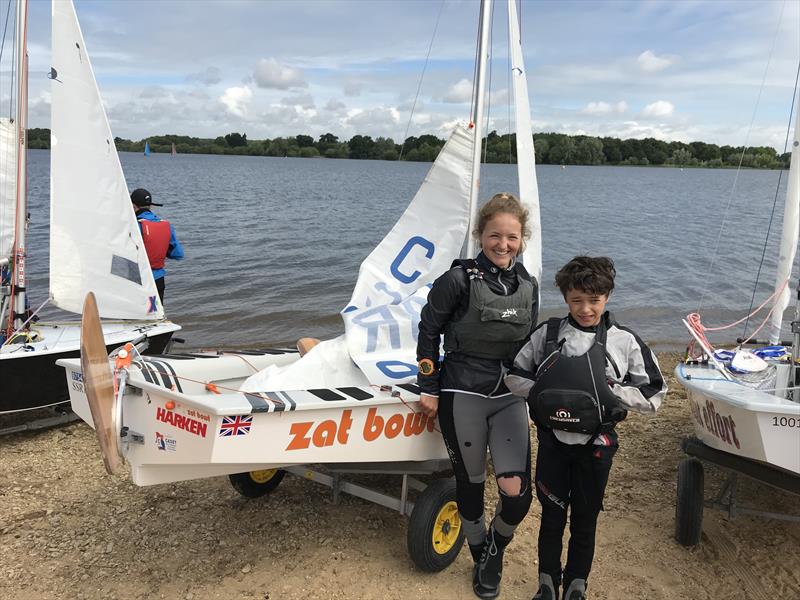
<point x="551" y="148"/>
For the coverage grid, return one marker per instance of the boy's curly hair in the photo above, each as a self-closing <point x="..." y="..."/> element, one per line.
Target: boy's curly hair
<point x="592" y="275"/>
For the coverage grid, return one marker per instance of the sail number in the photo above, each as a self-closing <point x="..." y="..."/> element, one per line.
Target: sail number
<point x="785" y="422"/>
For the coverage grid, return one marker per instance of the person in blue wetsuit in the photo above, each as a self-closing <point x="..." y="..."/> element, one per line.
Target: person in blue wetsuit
<point x="485" y="307"/>
<point x="158" y="236"/>
<point x="581" y="375"/>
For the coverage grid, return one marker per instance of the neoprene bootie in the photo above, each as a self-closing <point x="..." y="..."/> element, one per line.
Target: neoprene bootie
<point x="476" y="552"/>
<point x="548" y="590"/>
<point x="489" y="569"/>
<point x="576" y="590"/>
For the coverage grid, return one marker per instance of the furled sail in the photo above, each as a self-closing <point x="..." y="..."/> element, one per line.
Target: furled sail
<point x="382" y="317"/>
<point x="789" y="236"/>
<point x="8" y="186"/>
<point x="526" y="162"/>
<point x="95" y="243"/>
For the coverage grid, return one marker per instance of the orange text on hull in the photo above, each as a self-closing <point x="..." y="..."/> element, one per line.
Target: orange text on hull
<point x="329" y="432"/>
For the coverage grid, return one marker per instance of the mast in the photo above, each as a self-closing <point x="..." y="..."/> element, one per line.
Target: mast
<point x="790" y="233"/>
<point x="22" y="158"/>
<point x="477" y="121"/>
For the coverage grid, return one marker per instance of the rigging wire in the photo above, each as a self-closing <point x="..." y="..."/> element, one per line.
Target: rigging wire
<point x="489" y="86"/>
<point x="475" y="69"/>
<point x="421" y="77"/>
<point x="774" y="202"/>
<point x="741" y="159"/>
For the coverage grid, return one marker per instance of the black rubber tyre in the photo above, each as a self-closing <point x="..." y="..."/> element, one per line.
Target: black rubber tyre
<point x="434" y="530"/>
<point x="689" y="505"/>
<point x="257" y="483"/>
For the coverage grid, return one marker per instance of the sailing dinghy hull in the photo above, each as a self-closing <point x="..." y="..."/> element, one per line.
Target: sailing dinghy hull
<point x="181" y="419"/>
<point x="740" y="420"/>
<point x="30" y="377"/>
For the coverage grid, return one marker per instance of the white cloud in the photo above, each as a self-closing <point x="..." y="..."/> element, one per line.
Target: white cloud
<point x="269" y="73"/>
<point x="208" y="76"/>
<point x="305" y="101"/>
<point x="660" y="108"/>
<point x="236" y="100"/>
<point x="459" y="92"/>
<point x="352" y="89"/>
<point x="650" y="63"/>
<point x="604" y="108"/>
<point x="335" y="106"/>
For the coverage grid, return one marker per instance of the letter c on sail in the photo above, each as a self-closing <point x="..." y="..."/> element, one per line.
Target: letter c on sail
<point x="401" y="256"/>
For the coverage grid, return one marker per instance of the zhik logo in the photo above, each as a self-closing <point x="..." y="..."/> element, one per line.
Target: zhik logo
<point x="509" y="312"/>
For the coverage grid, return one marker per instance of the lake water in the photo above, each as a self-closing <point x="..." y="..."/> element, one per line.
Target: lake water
<point x="273" y="245"/>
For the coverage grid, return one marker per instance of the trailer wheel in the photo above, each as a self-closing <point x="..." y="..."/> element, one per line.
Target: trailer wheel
<point x="256" y="483"/>
<point x="689" y="505"/>
<point x="434" y="530"/>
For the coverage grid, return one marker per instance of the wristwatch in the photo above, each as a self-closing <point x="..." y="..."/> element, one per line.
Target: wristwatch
<point x="426" y="366"/>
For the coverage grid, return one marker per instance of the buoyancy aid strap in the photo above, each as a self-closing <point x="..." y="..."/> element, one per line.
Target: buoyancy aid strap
<point x="601" y="334"/>
<point x="465" y="263"/>
<point x="551" y="338"/>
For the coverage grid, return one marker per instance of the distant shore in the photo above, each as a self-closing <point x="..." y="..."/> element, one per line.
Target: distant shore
<point x="550" y="148"/>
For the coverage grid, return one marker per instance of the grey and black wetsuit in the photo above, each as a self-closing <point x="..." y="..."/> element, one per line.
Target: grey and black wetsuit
<point x="572" y="468"/>
<point x="486" y="314"/>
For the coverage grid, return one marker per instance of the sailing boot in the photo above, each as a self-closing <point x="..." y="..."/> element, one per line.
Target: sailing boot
<point x="489" y="569"/>
<point x="476" y="552"/>
<point x="548" y="590"/>
<point x="576" y="590"/>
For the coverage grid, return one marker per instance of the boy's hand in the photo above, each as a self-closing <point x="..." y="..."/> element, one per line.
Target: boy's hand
<point x="429" y="404"/>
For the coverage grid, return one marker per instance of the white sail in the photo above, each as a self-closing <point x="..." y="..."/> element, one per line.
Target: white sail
<point x="382" y="317"/>
<point x="526" y="161"/>
<point x="789" y="236"/>
<point x="8" y="186"/>
<point x="95" y="243"/>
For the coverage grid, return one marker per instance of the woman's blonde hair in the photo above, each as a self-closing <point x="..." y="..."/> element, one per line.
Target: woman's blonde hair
<point x="503" y="202"/>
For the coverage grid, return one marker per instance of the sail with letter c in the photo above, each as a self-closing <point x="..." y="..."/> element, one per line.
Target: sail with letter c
<point x="382" y="318"/>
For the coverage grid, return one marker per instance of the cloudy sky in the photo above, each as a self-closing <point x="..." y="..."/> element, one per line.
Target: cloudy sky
<point x="675" y="70"/>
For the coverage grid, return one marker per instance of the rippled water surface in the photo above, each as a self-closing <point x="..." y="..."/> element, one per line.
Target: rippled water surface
<point x="273" y="244"/>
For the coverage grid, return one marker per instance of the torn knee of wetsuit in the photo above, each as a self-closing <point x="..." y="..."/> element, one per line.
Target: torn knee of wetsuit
<point x="513" y="484"/>
<point x="513" y="508"/>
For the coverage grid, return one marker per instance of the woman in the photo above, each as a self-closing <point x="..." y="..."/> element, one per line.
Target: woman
<point x="486" y="308"/>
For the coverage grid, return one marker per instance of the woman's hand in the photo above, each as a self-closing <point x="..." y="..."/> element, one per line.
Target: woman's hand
<point x="429" y="404"/>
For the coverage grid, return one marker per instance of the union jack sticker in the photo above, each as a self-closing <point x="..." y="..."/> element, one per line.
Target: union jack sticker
<point x="238" y="425"/>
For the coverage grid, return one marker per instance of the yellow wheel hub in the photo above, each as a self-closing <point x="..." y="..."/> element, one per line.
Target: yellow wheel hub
<point x="446" y="528"/>
<point x="263" y="476"/>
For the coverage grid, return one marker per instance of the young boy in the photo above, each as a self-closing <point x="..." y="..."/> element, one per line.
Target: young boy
<point x="580" y="374"/>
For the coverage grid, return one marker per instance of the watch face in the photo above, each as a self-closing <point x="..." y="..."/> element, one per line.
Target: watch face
<point x="426" y="366"/>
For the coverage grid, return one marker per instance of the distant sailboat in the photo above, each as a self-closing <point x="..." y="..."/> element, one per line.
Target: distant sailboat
<point x="104" y="254"/>
<point x="174" y="151"/>
<point x="147" y="149"/>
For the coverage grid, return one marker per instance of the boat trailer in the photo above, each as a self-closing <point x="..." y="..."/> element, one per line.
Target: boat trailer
<point x="691" y="497"/>
<point x="434" y="536"/>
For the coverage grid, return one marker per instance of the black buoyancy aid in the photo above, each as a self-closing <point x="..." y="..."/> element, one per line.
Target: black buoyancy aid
<point x="156" y="236"/>
<point x="494" y="326"/>
<point x="571" y="393"/>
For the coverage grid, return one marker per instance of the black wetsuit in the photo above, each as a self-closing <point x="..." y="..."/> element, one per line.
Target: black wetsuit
<point x="476" y="409"/>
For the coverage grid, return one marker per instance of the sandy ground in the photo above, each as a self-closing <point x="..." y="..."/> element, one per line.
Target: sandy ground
<point x="67" y="530"/>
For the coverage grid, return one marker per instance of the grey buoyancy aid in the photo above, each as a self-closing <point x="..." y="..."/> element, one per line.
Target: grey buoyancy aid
<point x="494" y="326"/>
<point x="571" y="393"/>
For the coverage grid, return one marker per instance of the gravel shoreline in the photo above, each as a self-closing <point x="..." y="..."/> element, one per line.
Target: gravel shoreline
<point x="68" y="530"/>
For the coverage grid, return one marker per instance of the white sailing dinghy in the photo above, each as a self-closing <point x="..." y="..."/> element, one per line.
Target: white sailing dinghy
<point x="348" y="400"/>
<point x="730" y="412"/>
<point x="95" y="243"/>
